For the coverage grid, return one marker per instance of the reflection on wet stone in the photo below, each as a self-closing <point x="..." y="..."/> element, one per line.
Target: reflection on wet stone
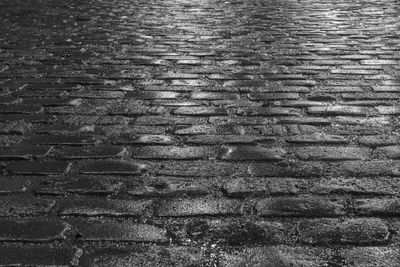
<point x="199" y="133"/>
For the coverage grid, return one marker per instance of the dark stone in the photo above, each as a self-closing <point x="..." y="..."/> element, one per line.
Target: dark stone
<point x="105" y="167"/>
<point x="38" y="167"/>
<point x="32" y="230"/>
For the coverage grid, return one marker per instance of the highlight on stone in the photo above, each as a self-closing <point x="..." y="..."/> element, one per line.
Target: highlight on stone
<point x="207" y="133"/>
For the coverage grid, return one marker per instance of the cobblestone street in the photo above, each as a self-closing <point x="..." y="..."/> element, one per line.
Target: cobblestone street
<point x="214" y="133"/>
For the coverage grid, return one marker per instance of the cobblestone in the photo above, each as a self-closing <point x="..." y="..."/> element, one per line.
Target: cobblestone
<point x="111" y="207"/>
<point x="17" y="255"/>
<point x="32" y="230"/>
<point x="350" y="231"/>
<point x="117" y="231"/>
<point x="199" y="133"/>
<point x="104" y="167"/>
<point x="303" y="206"/>
<point x="38" y="167"/>
<point x="155" y="256"/>
<point x="11" y="206"/>
<point x="195" y="207"/>
<point x="23" y="152"/>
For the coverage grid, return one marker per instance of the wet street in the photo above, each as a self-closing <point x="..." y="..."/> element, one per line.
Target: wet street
<point x="214" y="133"/>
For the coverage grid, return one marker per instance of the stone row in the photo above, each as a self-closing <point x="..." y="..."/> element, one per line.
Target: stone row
<point x="183" y="256"/>
<point x="323" y="231"/>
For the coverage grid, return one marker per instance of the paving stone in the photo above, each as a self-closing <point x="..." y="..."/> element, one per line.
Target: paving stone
<point x="154" y="256"/>
<point x="369" y="96"/>
<point x="248" y="233"/>
<point x="357" y="186"/>
<point x="11" y="140"/>
<point x="330" y="62"/>
<point x="62" y="140"/>
<point x="82" y="120"/>
<point x="5" y="99"/>
<point x="164" y="120"/>
<point x="126" y="132"/>
<point x="308" y="83"/>
<point x="285" y="89"/>
<point x="235" y="76"/>
<point x="119" y="231"/>
<point x="244" y="83"/>
<point x="317" y="139"/>
<point x="281" y="256"/>
<point x="370" y="121"/>
<point x="341" y="110"/>
<point x="242" y="187"/>
<point x="213" y="96"/>
<point x="23" y="152"/>
<point x="272" y="96"/>
<point x="366" y="129"/>
<point x="38" y="167"/>
<point x="390" y="110"/>
<point x="175" y="76"/>
<point x="370" y="256"/>
<point x="149" y="95"/>
<point x="298" y="103"/>
<point x="198" y="168"/>
<point x="291" y="169"/>
<point x="378" y="62"/>
<point x="186" y="82"/>
<point x="152" y="140"/>
<point x="169" y="187"/>
<point x="377" y="141"/>
<point x="19" y="109"/>
<point x="32" y="230"/>
<point x="25" y="119"/>
<point x="386" y="88"/>
<point x="354" y="72"/>
<point x="132" y="108"/>
<point x="12" y="184"/>
<point x="355" y="57"/>
<point x="275" y="76"/>
<point x="99" y="152"/>
<point x="305" y="120"/>
<point x="63" y="129"/>
<point x="241" y="153"/>
<point x="196" y="207"/>
<point x="392" y="152"/>
<point x="84" y="185"/>
<point x="171" y="152"/>
<point x="210" y="129"/>
<point x="268" y="111"/>
<point x="300" y="206"/>
<point x="177" y="103"/>
<point x="238" y="121"/>
<point x="200" y="111"/>
<point x="227" y="139"/>
<point x="28" y="255"/>
<point x="105" y="207"/>
<point x="48" y="102"/>
<point x="323" y="97"/>
<point x="331" y="153"/>
<point x="15" y="128"/>
<point x="347" y="231"/>
<point x="104" y="167"/>
<point x="10" y="206"/>
<point x="372" y="102"/>
<point x="367" y="168"/>
<point x="377" y="207"/>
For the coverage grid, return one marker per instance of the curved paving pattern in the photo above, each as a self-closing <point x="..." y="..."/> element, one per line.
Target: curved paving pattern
<point x="199" y="133"/>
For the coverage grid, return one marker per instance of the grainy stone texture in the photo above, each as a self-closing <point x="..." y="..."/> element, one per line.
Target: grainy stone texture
<point x="200" y="133"/>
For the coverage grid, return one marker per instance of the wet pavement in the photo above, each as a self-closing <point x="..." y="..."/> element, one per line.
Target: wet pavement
<point x="200" y="133"/>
